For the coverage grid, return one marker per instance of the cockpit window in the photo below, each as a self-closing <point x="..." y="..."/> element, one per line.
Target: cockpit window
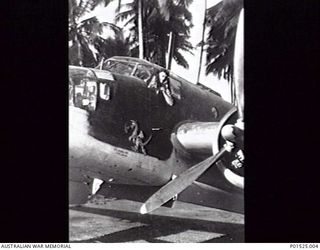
<point x="119" y="67"/>
<point x="82" y="90"/>
<point x="143" y="72"/>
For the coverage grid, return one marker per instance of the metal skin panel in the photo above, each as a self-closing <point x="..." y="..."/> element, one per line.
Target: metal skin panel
<point x="101" y="160"/>
<point x="131" y="100"/>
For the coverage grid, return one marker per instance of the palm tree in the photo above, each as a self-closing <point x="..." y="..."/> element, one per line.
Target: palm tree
<point x="222" y="20"/>
<point x="157" y="27"/>
<point x="89" y="39"/>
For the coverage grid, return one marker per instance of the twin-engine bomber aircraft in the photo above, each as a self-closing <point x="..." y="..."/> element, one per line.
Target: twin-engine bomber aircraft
<point x="133" y="123"/>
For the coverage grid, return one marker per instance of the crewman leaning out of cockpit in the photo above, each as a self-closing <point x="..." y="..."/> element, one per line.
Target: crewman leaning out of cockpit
<point x="161" y="82"/>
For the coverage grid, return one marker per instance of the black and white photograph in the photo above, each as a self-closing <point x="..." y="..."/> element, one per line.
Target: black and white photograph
<point x="156" y="121"/>
<point x="131" y="121"/>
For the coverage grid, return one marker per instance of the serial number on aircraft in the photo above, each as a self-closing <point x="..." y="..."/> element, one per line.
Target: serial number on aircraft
<point x="305" y="245"/>
<point x="121" y="152"/>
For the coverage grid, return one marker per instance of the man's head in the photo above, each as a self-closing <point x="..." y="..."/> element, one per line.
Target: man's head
<point x="162" y="76"/>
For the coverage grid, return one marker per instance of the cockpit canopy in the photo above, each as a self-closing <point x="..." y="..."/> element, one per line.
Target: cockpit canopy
<point x="130" y="67"/>
<point x="140" y="69"/>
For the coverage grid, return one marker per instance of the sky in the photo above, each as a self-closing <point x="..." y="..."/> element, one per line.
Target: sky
<point x="197" y="9"/>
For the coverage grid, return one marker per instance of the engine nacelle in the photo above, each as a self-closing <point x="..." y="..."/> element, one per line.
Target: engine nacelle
<point x="196" y="137"/>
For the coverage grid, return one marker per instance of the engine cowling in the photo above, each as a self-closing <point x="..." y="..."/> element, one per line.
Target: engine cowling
<point x="202" y="139"/>
<point x="232" y="164"/>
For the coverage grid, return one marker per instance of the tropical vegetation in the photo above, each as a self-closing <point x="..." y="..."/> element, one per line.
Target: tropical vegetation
<point x="222" y="20"/>
<point x="157" y="27"/>
<point x="89" y="39"/>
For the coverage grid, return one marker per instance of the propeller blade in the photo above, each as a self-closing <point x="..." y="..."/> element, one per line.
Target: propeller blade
<point x="238" y="65"/>
<point x="180" y="183"/>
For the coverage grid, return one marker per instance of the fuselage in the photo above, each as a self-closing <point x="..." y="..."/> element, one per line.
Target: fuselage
<point x="124" y="134"/>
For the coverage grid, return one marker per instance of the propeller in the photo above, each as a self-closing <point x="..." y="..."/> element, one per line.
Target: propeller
<point x="232" y="134"/>
<point x="180" y="183"/>
<point x="238" y="66"/>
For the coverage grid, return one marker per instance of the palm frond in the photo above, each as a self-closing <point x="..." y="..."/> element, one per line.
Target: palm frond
<point x="222" y="20"/>
<point x="180" y="59"/>
<point x="124" y="15"/>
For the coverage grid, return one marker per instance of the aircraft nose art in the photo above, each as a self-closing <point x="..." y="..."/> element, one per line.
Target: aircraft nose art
<point x="97" y="159"/>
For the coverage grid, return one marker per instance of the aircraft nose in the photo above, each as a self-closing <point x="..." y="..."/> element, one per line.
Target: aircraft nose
<point x="78" y="119"/>
<point x="78" y="133"/>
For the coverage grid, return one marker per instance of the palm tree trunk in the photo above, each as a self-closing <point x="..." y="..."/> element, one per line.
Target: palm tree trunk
<point x="79" y="52"/>
<point x="140" y="29"/>
<point x="202" y="40"/>
<point x="162" y="43"/>
<point x="170" y="50"/>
